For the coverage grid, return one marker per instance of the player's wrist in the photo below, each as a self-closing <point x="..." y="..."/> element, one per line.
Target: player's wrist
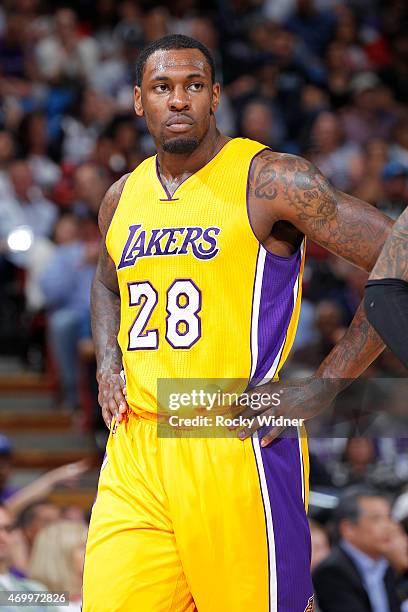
<point x="105" y="372"/>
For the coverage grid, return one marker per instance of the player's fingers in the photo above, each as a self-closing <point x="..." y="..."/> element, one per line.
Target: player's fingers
<point x="113" y="408"/>
<point x="249" y="430"/>
<point x="101" y="397"/>
<point x="120" y="400"/>
<point x="274" y="433"/>
<point x="246" y="413"/>
<point x="107" y="417"/>
<point x="247" y="408"/>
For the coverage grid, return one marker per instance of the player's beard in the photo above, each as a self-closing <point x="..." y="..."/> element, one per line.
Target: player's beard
<point x="181" y="146"/>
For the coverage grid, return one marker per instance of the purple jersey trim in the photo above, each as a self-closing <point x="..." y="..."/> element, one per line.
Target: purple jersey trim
<point x="283" y="469"/>
<point x="273" y="302"/>
<point x="276" y="305"/>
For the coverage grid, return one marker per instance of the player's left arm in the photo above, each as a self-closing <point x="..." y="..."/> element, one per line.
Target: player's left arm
<point x="386" y="293"/>
<point x="290" y="188"/>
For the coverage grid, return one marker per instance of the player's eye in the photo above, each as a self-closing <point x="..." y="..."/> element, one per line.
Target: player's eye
<point x="161" y="88"/>
<point x="196" y="86"/>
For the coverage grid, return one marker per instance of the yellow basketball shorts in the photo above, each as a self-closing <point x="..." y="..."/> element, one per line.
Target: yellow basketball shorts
<point x="183" y="524"/>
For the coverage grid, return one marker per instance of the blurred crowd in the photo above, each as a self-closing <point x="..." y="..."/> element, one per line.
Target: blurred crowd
<point x="325" y="79"/>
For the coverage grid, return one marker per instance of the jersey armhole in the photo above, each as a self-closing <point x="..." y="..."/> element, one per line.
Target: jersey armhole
<point x="302" y="246"/>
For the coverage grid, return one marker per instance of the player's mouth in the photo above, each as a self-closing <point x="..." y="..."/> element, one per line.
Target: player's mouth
<point x="179" y="123"/>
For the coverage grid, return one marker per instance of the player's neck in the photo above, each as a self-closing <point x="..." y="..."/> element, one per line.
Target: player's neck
<point x="175" y="168"/>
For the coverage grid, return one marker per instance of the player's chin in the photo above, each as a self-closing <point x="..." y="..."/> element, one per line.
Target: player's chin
<point x="180" y="145"/>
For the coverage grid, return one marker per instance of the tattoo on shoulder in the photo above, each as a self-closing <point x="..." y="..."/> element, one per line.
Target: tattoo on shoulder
<point x="393" y="260"/>
<point x="110" y="202"/>
<point x="297" y="181"/>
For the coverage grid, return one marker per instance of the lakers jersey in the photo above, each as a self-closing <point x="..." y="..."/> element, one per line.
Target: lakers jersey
<point x="200" y="296"/>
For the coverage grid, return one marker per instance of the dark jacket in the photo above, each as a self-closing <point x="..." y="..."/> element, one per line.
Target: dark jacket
<point x="339" y="586"/>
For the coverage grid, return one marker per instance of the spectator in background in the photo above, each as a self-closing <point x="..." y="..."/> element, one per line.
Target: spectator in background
<point x="334" y="157"/>
<point x="6" y="465"/>
<point x="360" y="464"/>
<point x="397" y="555"/>
<point x="399" y="147"/>
<point x="26" y="204"/>
<point x="34" y="145"/>
<point x="57" y="560"/>
<point x="395" y="72"/>
<point x="28" y="523"/>
<point x="81" y="129"/>
<point x="8" y="580"/>
<point x="367" y="173"/>
<point x="339" y="73"/>
<point x="66" y="284"/>
<point x="400" y="510"/>
<point x="320" y="544"/>
<point x="356" y="575"/>
<point x="347" y="34"/>
<point x="259" y="122"/>
<point x="90" y="185"/>
<point x="7" y="153"/>
<point x="29" y="504"/>
<point x="395" y="186"/>
<point x="329" y="325"/>
<point x="13" y="53"/>
<point x="41" y="487"/>
<point x="65" y="55"/>
<point x="364" y="119"/>
<point x="316" y="28"/>
<point x="355" y="464"/>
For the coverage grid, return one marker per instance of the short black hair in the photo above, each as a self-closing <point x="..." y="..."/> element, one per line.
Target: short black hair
<point x="173" y="41"/>
<point x="349" y="508"/>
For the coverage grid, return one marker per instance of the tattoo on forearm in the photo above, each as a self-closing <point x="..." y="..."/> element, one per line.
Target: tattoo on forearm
<point x="393" y="260"/>
<point x="105" y="311"/>
<point x="105" y="299"/>
<point x="357" y="349"/>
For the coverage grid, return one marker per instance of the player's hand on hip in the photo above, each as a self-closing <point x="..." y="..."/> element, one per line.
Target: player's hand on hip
<point x="297" y="400"/>
<point x="112" y="396"/>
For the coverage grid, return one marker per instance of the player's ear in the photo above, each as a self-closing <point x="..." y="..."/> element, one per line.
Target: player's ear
<point x="215" y="97"/>
<point x="137" y="97"/>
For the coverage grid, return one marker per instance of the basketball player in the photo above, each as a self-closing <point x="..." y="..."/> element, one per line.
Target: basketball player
<point x="200" y="277"/>
<point x="386" y="295"/>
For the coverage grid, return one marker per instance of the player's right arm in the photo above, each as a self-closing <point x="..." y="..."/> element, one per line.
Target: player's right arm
<point x="105" y="317"/>
<point x="386" y="294"/>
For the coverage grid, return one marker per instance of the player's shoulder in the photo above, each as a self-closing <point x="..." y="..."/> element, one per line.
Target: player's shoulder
<point x="110" y="202"/>
<point x="283" y="162"/>
<point x="112" y="196"/>
<point x="280" y="170"/>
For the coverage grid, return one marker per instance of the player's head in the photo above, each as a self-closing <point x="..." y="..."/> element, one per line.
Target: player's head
<point x="176" y="92"/>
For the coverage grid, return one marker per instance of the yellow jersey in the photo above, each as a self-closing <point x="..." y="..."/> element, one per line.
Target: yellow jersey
<point x="201" y="298"/>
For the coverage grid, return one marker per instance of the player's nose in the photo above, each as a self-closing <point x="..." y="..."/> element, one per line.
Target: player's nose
<point x="179" y="99"/>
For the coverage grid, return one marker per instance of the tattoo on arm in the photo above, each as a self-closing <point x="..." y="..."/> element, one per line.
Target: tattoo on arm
<point x="105" y="299"/>
<point x="294" y="190"/>
<point x="393" y="260"/>
<point x="357" y="349"/>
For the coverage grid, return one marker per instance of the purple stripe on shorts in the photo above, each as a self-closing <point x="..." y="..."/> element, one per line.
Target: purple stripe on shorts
<point x="275" y="308"/>
<point x="282" y="467"/>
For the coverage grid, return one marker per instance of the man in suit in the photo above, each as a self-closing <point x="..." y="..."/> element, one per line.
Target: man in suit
<point x="356" y="577"/>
